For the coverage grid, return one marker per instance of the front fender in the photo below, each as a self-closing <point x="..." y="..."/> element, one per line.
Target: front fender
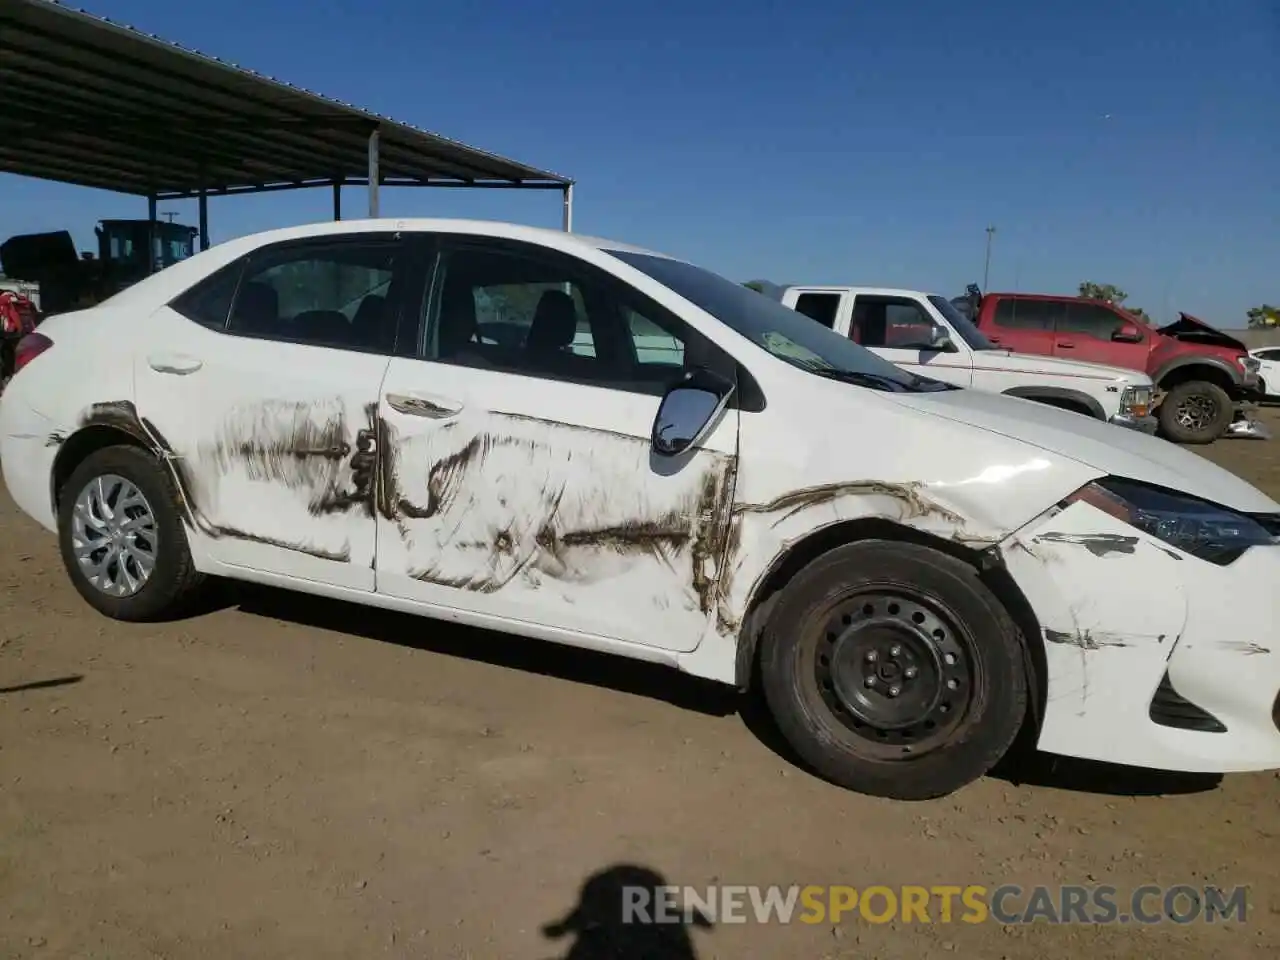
<point x="1042" y="394"/>
<point x="1233" y="373"/>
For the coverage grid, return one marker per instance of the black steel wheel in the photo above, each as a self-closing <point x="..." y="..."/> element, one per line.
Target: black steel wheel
<point x="892" y="670"/>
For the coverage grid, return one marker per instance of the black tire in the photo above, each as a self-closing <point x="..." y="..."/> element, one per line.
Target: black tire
<point x="1195" y="412"/>
<point x="174" y="581"/>
<point x="929" y="606"/>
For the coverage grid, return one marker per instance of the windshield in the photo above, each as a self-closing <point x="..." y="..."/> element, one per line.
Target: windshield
<point x="788" y="335"/>
<point x="971" y="335"/>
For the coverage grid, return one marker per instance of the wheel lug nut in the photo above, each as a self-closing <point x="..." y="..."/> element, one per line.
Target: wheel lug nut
<point x="870" y="681"/>
<point x="949" y="659"/>
<point x="911" y="673"/>
<point x="953" y="684"/>
<point x="895" y="650"/>
<point x="894" y="691"/>
<point x="871" y="656"/>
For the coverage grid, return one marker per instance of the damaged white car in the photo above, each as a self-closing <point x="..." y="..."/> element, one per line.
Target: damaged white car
<point x="471" y="421"/>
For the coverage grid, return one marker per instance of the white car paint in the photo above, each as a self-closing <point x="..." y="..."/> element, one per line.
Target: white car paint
<point x="505" y="505"/>
<point x="1269" y="368"/>
<point x="1121" y="396"/>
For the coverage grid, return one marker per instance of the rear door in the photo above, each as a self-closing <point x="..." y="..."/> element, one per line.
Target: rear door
<point x="902" y="331"/>
<point x="1024" y="324"/>
<point x="1084" y="331"/>
<point x="263" y="382"/>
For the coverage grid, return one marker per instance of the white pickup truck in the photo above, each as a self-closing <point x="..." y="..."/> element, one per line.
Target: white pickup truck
<point x="926" y="334"/>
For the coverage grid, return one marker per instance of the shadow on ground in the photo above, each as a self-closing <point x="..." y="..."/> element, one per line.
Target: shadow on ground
<point x="1022" y="767"/>
<point x="42" y="684"/>
<point x="617" y="918"/>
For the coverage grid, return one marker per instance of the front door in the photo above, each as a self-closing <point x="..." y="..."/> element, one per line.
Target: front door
<point x="1084" y="331"/>
<point x="263" y="381"/>
<point x="518" y="480"/>
<point x="902" y="331"/>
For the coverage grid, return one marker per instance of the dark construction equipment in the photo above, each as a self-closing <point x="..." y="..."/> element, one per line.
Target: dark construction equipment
<point x="70" y="281"/>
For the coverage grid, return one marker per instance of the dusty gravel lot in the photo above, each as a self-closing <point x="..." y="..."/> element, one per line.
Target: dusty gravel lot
<point x="283" y="777"/>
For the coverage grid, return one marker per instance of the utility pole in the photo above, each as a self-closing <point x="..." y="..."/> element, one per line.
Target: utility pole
<point x="986" y="269"/>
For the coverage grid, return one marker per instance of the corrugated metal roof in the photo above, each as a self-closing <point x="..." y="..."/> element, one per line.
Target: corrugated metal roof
<point x="99" y="104"/>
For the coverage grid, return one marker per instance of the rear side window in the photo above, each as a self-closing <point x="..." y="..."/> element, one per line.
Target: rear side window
<point x="1018" y="314"/>
<point x="819" y="306"/>
<point x="208" y="303"/>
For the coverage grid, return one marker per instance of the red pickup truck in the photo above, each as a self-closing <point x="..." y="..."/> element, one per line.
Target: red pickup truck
<point x="1202" y="375"/>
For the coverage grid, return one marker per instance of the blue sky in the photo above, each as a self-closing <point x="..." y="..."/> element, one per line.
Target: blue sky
<point x="1135" y="143"/>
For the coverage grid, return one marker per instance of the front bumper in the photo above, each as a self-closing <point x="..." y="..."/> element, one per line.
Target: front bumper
<point x="1146" y="424"/>
<point x="1154" y="658"/>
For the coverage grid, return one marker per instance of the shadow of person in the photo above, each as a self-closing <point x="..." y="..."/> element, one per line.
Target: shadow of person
<point x="616" y="918"/>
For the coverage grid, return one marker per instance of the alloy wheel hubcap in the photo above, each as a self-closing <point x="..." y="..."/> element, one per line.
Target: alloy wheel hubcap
<point x="113" y="535"/>
<point x="1196" y="413"/>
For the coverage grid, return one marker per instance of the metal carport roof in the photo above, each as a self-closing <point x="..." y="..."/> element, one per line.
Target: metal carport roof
<point x="98" y="104"/>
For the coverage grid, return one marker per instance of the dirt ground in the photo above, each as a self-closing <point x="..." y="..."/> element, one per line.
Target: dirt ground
<point x="284" y="777"/>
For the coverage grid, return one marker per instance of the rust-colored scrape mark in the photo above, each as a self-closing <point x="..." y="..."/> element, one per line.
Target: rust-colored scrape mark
<point x="914" y="505"/>
<point x="1099" y="544"/>
<point x="1246" y="647"/>
<point x="1085" y="639"/>
<point x="123" y="415"/>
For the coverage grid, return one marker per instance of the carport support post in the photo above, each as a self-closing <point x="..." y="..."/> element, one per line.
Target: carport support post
<point x="373" y="174"/>
<point x="204" y="219"/>
<point x="337" y="200"/>
<point x="151" y="234"/>
<point x="568" y="208"/>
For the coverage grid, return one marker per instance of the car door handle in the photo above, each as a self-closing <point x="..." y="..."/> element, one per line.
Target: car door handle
<point x="1066" y="344"/>
<point x="418" y="405"/>
<point x="175" y="363"/>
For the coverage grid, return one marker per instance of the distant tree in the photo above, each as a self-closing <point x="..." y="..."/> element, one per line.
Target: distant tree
<point x="756" y="285"/>
<point x="1113" y="295"/>
<point x="1264" y="316"/>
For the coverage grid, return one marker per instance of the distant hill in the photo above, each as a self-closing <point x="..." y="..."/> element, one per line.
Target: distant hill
<point x="767" y="287"/>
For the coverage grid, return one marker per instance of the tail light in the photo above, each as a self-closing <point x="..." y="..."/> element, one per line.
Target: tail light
<point x="29" y="347"/>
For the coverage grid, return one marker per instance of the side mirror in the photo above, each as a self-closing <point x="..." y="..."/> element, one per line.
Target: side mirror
<point x="1127" y="333"/>
<point x="941" y="341"/>
<point x="689" y="410"/>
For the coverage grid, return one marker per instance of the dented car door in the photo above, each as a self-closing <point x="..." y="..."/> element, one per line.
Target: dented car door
<point x="517" y="480"/>
<point x="260" y="387"/>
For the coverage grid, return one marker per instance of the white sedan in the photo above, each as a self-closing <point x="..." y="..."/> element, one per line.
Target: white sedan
<point x="1268" y="370"/>
<point x="457" y="419"/>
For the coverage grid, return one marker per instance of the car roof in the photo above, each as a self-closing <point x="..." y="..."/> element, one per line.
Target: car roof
<point x="161" y="286"/>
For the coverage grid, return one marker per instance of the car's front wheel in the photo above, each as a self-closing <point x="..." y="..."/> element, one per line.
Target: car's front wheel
<point x="121" y="535"/>
<point x="893" y="671"/>
<point x="1195" y="412"/>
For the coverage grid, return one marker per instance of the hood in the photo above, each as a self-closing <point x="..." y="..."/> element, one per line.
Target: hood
<point x="1194" y="330"/>
<point x="1111" y="450"/>
<point x="1054" y="366"/>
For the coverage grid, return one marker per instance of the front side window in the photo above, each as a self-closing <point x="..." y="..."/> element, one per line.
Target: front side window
<point x="891" y="322"/>
<point x="1090" y="319"/>
<point x="970" y="334"/>
<point x="322" y="294"/>
<point x="781" y="331"/>
<point x="535" y="313"/>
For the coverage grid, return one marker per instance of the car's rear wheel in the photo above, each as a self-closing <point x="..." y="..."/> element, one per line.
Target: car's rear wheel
<point x="893" y="671"/>
<point x="122" y="539"/>
<point x="1196" y="412"/>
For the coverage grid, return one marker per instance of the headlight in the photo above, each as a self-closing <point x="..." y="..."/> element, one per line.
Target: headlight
<point x="1136" y="401"/>
<point x="1202" y="529"/>
<point x="1250" y="364"/>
